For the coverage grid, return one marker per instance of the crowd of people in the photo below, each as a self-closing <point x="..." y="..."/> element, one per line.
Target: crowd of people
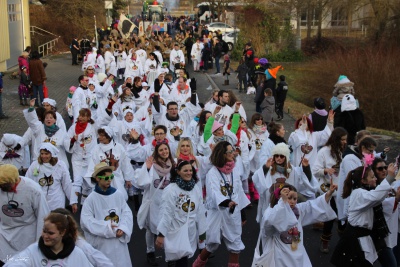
<point x="198" y="166"/>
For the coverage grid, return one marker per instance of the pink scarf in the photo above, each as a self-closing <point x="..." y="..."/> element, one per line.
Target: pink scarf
<point x="227" y="168"/>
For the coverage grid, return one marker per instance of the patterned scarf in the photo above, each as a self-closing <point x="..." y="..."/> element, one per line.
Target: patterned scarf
<point x="227" y="168"/>
<point x="259" y="129"/>
<point x="185" y="185"/>
<point x="50" y="130"/>
<point x="163" y="170"/>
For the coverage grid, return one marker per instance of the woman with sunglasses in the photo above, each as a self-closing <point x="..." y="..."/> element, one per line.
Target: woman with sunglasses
<point x="125" y="101"/>
<point x="153" y="178"/>
<point x="276" y="172"/>
<point x="112" y="153"/>
<point x="181" y="197"/>
<point x="106" y="218"/>
<point x="225" y="206"/>
<point x="52" y="175"/>
<point x="258" y="135"/>
<point x="386" y="256"/>
<point x="325" y="170"/>
<point x="276" y="135"/>
<point x="304" y="135"/>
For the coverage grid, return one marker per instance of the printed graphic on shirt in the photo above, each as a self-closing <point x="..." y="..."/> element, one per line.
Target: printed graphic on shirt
<point x="110" y="159"/>
<point x="86" y="140"/>
<point x="10" y="153"/>
<point x="225" y="188"/>
<point x="46" y="180"/>
<point x="11" y="209"/>
<point x="182" y="202"/>
<point x="51" y="140"/>
<point x="112" y="216"/>
<point x="221" y="118"/>
<point x="258" y="143"/>
<point x="156" y="183"/>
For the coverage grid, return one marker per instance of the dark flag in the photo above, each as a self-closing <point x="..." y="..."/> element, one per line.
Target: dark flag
<point x="125" y="26"/>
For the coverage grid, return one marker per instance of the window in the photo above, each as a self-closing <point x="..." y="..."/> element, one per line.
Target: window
<point x="339" y="17"/>
<point x="314" y="17"/>
<point x="14" y="12"/>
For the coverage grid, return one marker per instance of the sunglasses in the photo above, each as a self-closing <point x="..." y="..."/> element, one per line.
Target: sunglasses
<point x="382" y="168"/>
<point x="259" y="119"/>
<point x="230" y="151"/>
<point x="106" y="178"/>
<point x="279" y="156"/>
<point x="90" y="69"/>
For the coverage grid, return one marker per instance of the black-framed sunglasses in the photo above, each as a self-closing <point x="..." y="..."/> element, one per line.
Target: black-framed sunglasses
<point x="259" y="119"/>
<point x="382" y="168"/>
<point x="279" y="156"/>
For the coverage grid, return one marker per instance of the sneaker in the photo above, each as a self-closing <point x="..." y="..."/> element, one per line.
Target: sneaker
<point x="324" y="246"/>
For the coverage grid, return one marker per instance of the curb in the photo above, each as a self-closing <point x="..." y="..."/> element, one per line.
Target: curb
<point x="213" y="84"/>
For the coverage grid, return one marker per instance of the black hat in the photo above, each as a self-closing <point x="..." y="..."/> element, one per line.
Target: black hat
<point x="319" y="103"/>
<point x="248" y="44"/>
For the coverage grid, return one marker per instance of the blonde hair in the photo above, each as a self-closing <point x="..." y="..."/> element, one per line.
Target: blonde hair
<point x="8" y="174"/>
<point x="178" y="150"/>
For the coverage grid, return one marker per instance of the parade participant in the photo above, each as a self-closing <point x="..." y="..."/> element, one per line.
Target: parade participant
<point x="153" y="178"/>
<point x="46" y="132"/>
<point x="326" y="169"/>
<point x="79" y="97"/>
<point x="196" y="54"/>
<point x="125" y="101"/>
<point x="305" y="137"/>
<point x="180" y="93"/>
<point x="276" y="135"/>
<point x="182" y="211"/>
<point x="106" y="218"/>
<point x="50" y="104"/>
<point x="212" y="100"/>
<point x="56" y="246"/>
<point x="133" y="66"/>
<point x="157" y="51"/>
<point x="52" y="175"/>
<point x="20" y="225"/>
<point x="11" y="151"/>
<point x="165" y="68"/>
<point x="225" y="203"/>
<point x="121" y="61"/>
<point x="283" y="222"/>
<point x="366" y="226"/>
<point x="112" y="153"/>
<point x="108" y="58"/>
<point x="278" y="170"/>
<point x="90" y="72"/>
<point x="177" y="121"/>
<point x="227" y="107"/>
<point x="319" y="116"/>
<point x="89" y="59"/>
<point x="151" y="67"/>
<point x="141" y="55"/>
<point x="100" y="66"/>
<point x="197" y="127"/>
<point x="176" y="57"/>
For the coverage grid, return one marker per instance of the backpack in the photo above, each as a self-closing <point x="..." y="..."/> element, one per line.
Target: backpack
<point x="225" y="47"/>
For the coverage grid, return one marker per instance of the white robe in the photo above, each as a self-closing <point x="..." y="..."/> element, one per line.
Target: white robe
<point x="122" y="129"/>
<point x="142" y="56"/>
<point x="99" y="212"/>
<point x="196" y="51"/>
<point x="32" y="256"/>
<point x="219" y="220"/>
<point x="297" y="178"/>
<point x="280" y="219"/>
<point x="256" y="142"/>
<point x="96" y="257"/>
<point x="24" y="156"/>
<point x="108" y="57"/>
<point x="100" y="66"/>
<point x="121" y="59"/>
<point x="79" y="101"/>
<point x="133" y="68"/>
<point x="176" y="56"/>
<point x="174" y="211"/>
<point x="119" y="107"/>
<point x="22" y="225"/>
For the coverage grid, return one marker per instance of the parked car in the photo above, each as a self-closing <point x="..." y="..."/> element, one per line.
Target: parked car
<point x="230" y="38"/>
<point x="215" y="26"/>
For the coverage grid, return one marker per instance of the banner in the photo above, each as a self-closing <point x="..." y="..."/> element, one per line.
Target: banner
<point x="125" y="26"/>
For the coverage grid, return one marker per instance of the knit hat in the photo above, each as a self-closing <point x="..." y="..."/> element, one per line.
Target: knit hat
<point x="101" y="167"/>
<point x="216" y="126"/>
<point x="101" y="76"/>
<point x="348" y="103"/>
<point x="255" y="60"/>
<point x="72" y="88"/>
<point x="49" y="147"/>
<point x="343" y="81"/>
<point x="319" y="103"/>
<point x="165" y="64"/>
<point x="281" y="149"/>
<point x="50" y="101"/>
<point x="263" y="61"/>
<point x="8" y="174"/>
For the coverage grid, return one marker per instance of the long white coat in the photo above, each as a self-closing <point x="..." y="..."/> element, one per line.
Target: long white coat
<point x="196" y="51"/>
<point x="60" y="187"/>
<point x="280" y="219"/>
<point x="22" y="225"/>
<point x="32" y="256"/>
<point x="99" y="212"/>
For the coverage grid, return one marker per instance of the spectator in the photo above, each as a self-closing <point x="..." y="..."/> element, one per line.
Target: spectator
<point x="2" y="115"/>
<point x="23" y="60"/>
<point x="75" y="51"/>
<point x="281" y="92"/>
<point x="242" y="71"/>
<point x="217" y="53"/>
<point x="38" y="77"/>
<point x="268" y="105"/>
<point x="248" y="55"/>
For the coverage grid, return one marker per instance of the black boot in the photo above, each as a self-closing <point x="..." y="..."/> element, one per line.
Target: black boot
<point x="151" y="259"/>
<point x="20" y="101"/>
<point x="25" y="102"/>
<point x="136" y="200"/>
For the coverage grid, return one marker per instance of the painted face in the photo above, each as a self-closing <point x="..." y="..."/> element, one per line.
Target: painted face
<point x="159" y="135"/>
<point x="343" y="141"/>
<point x="279" y="159"/>
<point x="292" y="199"/>
<point x="185" y="148"/>
<point x="49" y="120"/>
<point x="172" y="111"/>
<point x="163" y="151"/>
<point x="45" y="156"/>
<point x="83" y="118"/>
<point x="281" y="132"/>
<point x="129" y="117"/>
<point x="186" y="172"/>
<point x="51" y="235"/>
<point x="103" y="184"/>
<point x="230" y="153"/>
<point x="46" y="106"/>
<point x="370" y="180"/>
<point x="381" y="171"/>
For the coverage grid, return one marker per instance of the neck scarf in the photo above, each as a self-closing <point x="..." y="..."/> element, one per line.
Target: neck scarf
<point x="127" y="98"/>
<point x="155" y="142"/>
<point x="163" y="170"/>
<point x="172" y="119"/>
<point x="185" y="185"/>
<point x="109" y="191"/>
<point x="227" y="168"/>
<point x="259" y="129"/>
<point x="69" y="246"/>
<point x="80" y="127"/>
<point x="50" y="130"/>
<point x="276" y="139"/>
<point x="280" y="169"/>
<point x="218" y="139"/>
<point x="189" y="158"/>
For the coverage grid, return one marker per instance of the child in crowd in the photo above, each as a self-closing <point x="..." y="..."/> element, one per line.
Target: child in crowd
<point x="24" y="87"/>
<point x="268" y="105"/>
<point x="227" y="63"/>
<point x="165" y="68"/>
<point x="281" y="92"/>
<point x="242" y="75"/>
<point x="68" y="104"/>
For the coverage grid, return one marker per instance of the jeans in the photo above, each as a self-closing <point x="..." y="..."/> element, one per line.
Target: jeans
<point x="37" y="89"/>
<point x="327" y="231"/>
<point x="217" y="64"/>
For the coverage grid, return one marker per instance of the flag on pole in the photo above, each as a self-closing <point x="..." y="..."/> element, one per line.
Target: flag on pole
<point x="125" y="26"/>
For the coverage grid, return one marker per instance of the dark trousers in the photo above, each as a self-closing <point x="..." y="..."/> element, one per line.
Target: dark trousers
<point x="242" y="81"/>
<point x="217" y="66"/>
<point x="327" y="231"/>
<point x="74" y="53"/>
<point x="179" y="263"/>
<point x="279" y="109"/>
